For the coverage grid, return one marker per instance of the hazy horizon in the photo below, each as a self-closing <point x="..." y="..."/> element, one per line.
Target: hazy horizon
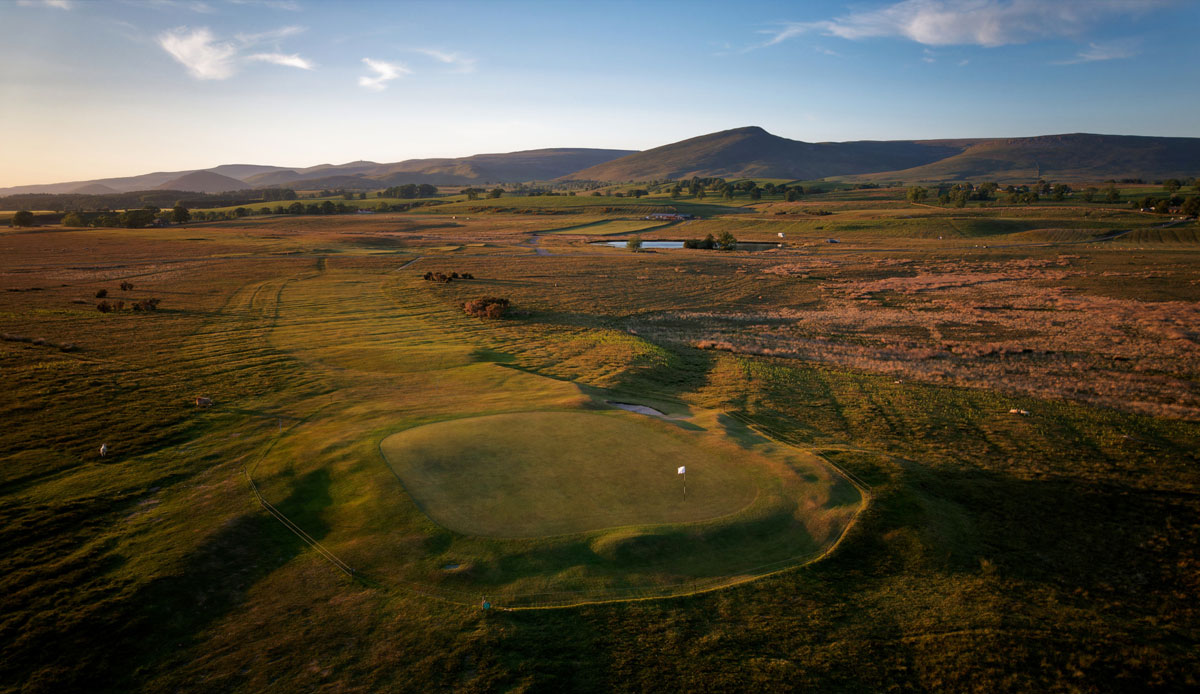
<point x="127" y="88"/>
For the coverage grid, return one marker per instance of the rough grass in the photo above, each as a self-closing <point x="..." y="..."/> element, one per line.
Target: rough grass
<point x="1051" y="552"/>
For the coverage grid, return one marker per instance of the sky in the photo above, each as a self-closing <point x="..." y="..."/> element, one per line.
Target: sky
<point x="96" y="88"/>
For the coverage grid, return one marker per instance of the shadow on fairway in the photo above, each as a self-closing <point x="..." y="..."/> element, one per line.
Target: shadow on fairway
<point x="112" y="647"/>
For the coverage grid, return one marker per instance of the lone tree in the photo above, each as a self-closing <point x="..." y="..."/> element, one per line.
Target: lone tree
<point x="495" y="192"/>
<point x="23" y="218"/>
<point x="634" y="243"/>
<point x="917" y="194"/>
<point x="726" y="242"/>
<point x="180" y="215"/>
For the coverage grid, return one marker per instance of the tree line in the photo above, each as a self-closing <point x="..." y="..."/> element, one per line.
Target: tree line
<point x="959" y="194"/>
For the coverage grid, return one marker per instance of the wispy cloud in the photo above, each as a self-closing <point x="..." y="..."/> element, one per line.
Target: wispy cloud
<point x="60" y="4"/>
<point x="384" y="73"/>
<point x="1108" y="50"/>
<point x="988" y="23"/>
<point x="283" y="59"/>
<point x="272" y="36"/>
<point x="207" y="58"/>
<point x="204" y="57"/>
<point x="192" y="5"/>
<point x="273" y="4"/>
<point x="458" y="61"/>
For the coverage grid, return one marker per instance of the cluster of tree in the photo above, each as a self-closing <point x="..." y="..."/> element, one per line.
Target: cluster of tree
<point x="65" y="202"/>
<point x="409" y="191"/>
<point x="723" y="241"/>
<point x="118" y="305"/>
<point x="474" y="193"/>
<point x="443" y="277"/>
<point x="1189" y="207"/>
<point x="1172" y="185"/>
<point x="492" y="307"/>
<point x="700" y="187"/>
<point x="1109" y="194"/>
<point x="274" y="194"/>
<point x="958" y="194"/>
<point x="21" y="218"/>
<point x="130" y="219"/>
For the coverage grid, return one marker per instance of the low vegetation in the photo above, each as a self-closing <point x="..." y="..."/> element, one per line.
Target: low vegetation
<point x="1013" y="386"/>
<point x="492" y="307"/>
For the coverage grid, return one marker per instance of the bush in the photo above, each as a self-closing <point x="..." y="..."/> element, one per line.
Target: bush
<point x="23" y="218"/>
<point x="492" y="307"/>
<point x="126" y="286"/>
<point x="101" y="293"/>
<point x="443" y="277"/>
<point x="146" y="305"/>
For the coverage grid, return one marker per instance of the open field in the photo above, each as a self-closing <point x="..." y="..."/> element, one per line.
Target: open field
<point x="447" y="459"/>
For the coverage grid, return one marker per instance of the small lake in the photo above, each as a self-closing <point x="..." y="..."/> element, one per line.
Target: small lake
<point x="742" y="245"/>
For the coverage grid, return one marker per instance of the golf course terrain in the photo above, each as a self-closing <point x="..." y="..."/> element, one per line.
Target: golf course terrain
<point x="954" y="450"/>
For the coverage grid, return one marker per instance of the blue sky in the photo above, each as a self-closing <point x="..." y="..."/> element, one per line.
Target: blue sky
<point x="94" y="89"/>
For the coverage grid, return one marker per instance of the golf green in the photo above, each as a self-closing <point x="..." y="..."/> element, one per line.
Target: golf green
<point x="535" y="474"/>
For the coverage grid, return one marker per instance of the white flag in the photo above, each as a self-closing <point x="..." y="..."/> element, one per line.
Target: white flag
<point x="682" y="469"/>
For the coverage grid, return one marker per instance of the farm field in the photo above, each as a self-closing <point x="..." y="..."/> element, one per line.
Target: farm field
<point x="868" y="429"/>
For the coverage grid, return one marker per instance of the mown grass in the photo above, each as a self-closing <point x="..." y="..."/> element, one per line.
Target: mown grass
<point x="1050" y="552"/>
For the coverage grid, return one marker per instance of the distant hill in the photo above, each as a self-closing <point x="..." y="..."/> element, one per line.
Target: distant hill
<point x="203" y="182"/>
<point x="754" y="152"/>
<point x="530" y="165"/>
<point x="94" y="189"/>
<point x="1077" y="156"/>
<point x="738" y="153"/>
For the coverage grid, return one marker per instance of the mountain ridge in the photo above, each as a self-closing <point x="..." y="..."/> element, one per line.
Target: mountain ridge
<point x="744" y="152"/>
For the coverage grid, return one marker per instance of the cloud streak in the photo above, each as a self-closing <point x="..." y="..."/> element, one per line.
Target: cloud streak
<point x="207" y="58"/>
<point x="283" y="59"/>
<point x="60" y="4"/>
<point x="1109" y="50"/>
<point x="987" y="23"/>
<point x="458" y="61"/>
<point x="384" y="73"/>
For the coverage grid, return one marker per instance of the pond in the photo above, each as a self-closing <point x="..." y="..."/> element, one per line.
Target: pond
<point x="742" y="245"/>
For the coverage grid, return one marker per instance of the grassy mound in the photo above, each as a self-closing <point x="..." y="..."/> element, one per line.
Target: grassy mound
<point x="533" y="474"/>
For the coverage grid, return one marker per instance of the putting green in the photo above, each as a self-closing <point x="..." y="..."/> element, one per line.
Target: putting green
<point x="536" y="474"/>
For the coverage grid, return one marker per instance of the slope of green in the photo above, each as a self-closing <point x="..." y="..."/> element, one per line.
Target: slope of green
<point x="532" y="474"/>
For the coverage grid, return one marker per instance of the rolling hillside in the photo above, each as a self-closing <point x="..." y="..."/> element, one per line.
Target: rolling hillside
<point x="1077" y="156"/>
<point x="753" y="152"/>
<point x="203" y="182"/>
<point x="530" y="165"/>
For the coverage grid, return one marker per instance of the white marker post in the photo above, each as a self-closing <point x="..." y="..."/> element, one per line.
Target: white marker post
<point x="683" y="471"/>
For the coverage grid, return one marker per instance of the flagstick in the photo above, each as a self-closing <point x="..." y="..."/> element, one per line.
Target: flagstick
<point x="685" y="483"/>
